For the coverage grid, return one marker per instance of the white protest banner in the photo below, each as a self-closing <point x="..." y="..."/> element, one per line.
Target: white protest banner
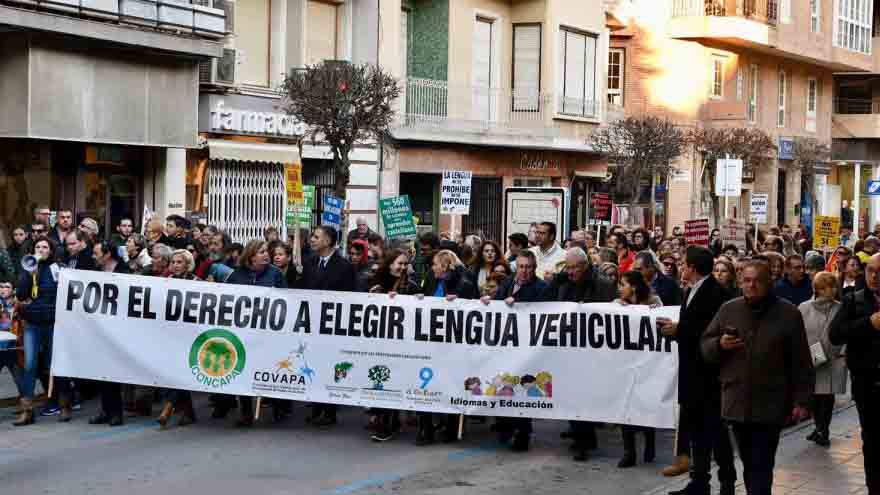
<point x="455" y="193"/>
<point x="590" y="362"/>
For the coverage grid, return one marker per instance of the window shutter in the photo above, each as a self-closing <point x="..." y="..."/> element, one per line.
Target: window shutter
<point x="404" y="43"/>
<point x="574" y="46"/>
<point x="589" y="76"/>
<point x="526" y="67"/>
<point x="481" y="68"/>
<point x="785" y="11"/>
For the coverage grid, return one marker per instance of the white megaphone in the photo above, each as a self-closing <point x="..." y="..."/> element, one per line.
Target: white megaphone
<point x="29" y="263"/>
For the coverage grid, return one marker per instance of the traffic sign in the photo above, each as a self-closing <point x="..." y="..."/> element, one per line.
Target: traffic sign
<point x="873" y="188"/>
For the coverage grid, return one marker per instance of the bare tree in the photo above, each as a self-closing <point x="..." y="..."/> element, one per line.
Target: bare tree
<point x="753" y="146"/>
<point x="343" y="104"/>
<point x="807" y="153"/>
<point x="639" y="147"/>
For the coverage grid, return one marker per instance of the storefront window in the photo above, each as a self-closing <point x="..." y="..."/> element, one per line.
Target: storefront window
<point x="25" y="182"/>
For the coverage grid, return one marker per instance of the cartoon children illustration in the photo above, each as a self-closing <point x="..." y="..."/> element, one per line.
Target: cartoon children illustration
<point x="496" y="385"/>
<point x="473" y="385"/>
<point x="510" y="382"/>
<point x="545" y="383"/>
<point x="530" y="386"/>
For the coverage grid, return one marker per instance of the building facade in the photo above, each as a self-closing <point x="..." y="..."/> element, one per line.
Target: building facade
<point x="98" y="105"/>
<point x="766" y="64"/>
<point x="235" y="179"/>
<point x="508" y="90"/>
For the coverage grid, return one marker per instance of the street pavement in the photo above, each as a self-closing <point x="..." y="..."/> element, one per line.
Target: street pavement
<point x="213" y="457"/>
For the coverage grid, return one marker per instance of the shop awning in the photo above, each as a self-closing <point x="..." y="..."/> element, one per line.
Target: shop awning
<point x="220" y="149"/>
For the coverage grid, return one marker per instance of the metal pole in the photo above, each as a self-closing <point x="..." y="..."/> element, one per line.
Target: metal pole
<point x="725" y="186"/>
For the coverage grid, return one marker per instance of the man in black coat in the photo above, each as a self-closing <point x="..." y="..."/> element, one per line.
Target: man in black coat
<point x="325" y="269"/>
<point x="699" y="388"/>
<point x="580" y="282"/>
<point x="666" y="289"/>
<point x="857" y="325"/>
<point x="522" y="287"/>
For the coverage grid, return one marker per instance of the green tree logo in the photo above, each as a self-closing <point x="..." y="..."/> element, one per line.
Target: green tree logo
<point x="216" y="357"/>
<point x="378" y="375"/>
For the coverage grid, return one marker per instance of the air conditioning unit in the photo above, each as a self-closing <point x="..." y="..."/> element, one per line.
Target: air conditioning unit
<point x="221" y="71"/>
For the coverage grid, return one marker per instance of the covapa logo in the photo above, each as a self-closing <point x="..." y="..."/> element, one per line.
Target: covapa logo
<point x="216" y="357"/>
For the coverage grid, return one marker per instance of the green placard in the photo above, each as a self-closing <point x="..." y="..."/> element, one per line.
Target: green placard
<point x="398" y="218"/>
<point x="304" y="211"/>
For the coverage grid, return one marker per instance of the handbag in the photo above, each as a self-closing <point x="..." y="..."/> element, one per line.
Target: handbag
<point x="818" y="353"/>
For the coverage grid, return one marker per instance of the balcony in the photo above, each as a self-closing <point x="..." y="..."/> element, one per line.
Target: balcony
<point x="185" y="26"/>
<point x="757" y="25"/>
<point x="437" y="111"/>
<point x="856" y="118"/>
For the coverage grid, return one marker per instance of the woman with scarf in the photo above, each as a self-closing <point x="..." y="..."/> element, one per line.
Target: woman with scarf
<point x="359" y="256"/>
<point x="391" y="278"/>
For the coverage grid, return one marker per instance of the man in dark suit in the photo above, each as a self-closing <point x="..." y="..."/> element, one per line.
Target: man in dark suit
<point x="857" y="325"/>
<point x="580" y="282"/>
<point x="666" y="289"/>
<point x="699" y="389"/>
<point x="325" y="269"/>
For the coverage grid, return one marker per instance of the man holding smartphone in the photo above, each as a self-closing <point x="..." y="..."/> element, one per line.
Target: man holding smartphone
<point x="857" y="325"/>
<point x="766" y="370"/>
<point x="699" y="392"/>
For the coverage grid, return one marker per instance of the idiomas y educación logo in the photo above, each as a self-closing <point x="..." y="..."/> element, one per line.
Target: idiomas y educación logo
<point x="216" y="358"/>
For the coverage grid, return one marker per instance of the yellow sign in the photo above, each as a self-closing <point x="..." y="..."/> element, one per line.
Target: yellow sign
<point x="294" y="184"/>
<point x="826" y="233"/>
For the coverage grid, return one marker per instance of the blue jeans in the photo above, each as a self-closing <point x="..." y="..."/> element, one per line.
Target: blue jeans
<point x="38" y="337"/>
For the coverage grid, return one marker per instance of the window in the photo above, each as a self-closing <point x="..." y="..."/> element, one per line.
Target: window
<point x="815" y="13"/>
<point x="526" y="67"/>
<point x="615" y="76"/>
<point x="812" y="102"/>
<point x="785" y="11"/>
<point x="481" y="68"/>
<point x="322" y="41"/>
<point x="717" y="78"/>
<point x="404" y="43"/>
<point x="781" y="93"/>
<point x="853" y="26"/>
<point x="577" y="91"/>
<point x="252" y="40"/>
<point x="739" y="83"/>
<point x="753" y="93"/>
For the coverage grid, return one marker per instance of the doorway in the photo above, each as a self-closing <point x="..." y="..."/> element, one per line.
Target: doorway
<point x="108" y="196"/>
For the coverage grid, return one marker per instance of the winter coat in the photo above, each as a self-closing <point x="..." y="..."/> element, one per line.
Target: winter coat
<point x="795" y="294"/>
<point x="458" y="283"/>
<point x="41" y="310"/>
<point x="270" y="277"/>
<point x="831" y="377"/>
<point x="763" y="381"/>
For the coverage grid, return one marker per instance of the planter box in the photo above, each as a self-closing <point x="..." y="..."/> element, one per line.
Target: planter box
<point x="175" y="16"/>
<point x="105" y="9"/>
<point x="209" y="22"/>
<point x="141" y="12"/>
<point x="71" y="6"/>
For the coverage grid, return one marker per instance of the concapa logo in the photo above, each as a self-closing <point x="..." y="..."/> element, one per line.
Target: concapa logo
<point x="216" y="357"/>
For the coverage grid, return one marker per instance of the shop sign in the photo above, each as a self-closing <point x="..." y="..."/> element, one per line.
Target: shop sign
<point x="455" y="193"/>
<point x="600" y="208"/>
<point x="826" y="232"/>
<point x="397" y="217"/>
<point x="537" y="161"/>
<point x="696" y="232"/>
<point x="230" y="119"/>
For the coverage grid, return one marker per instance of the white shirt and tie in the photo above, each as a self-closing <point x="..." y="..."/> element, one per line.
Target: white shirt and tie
<point x="694" y="289"/>
<point x="323" y="261"/>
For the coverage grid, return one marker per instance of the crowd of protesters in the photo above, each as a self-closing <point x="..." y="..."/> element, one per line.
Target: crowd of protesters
<point x="765" y="333"/>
